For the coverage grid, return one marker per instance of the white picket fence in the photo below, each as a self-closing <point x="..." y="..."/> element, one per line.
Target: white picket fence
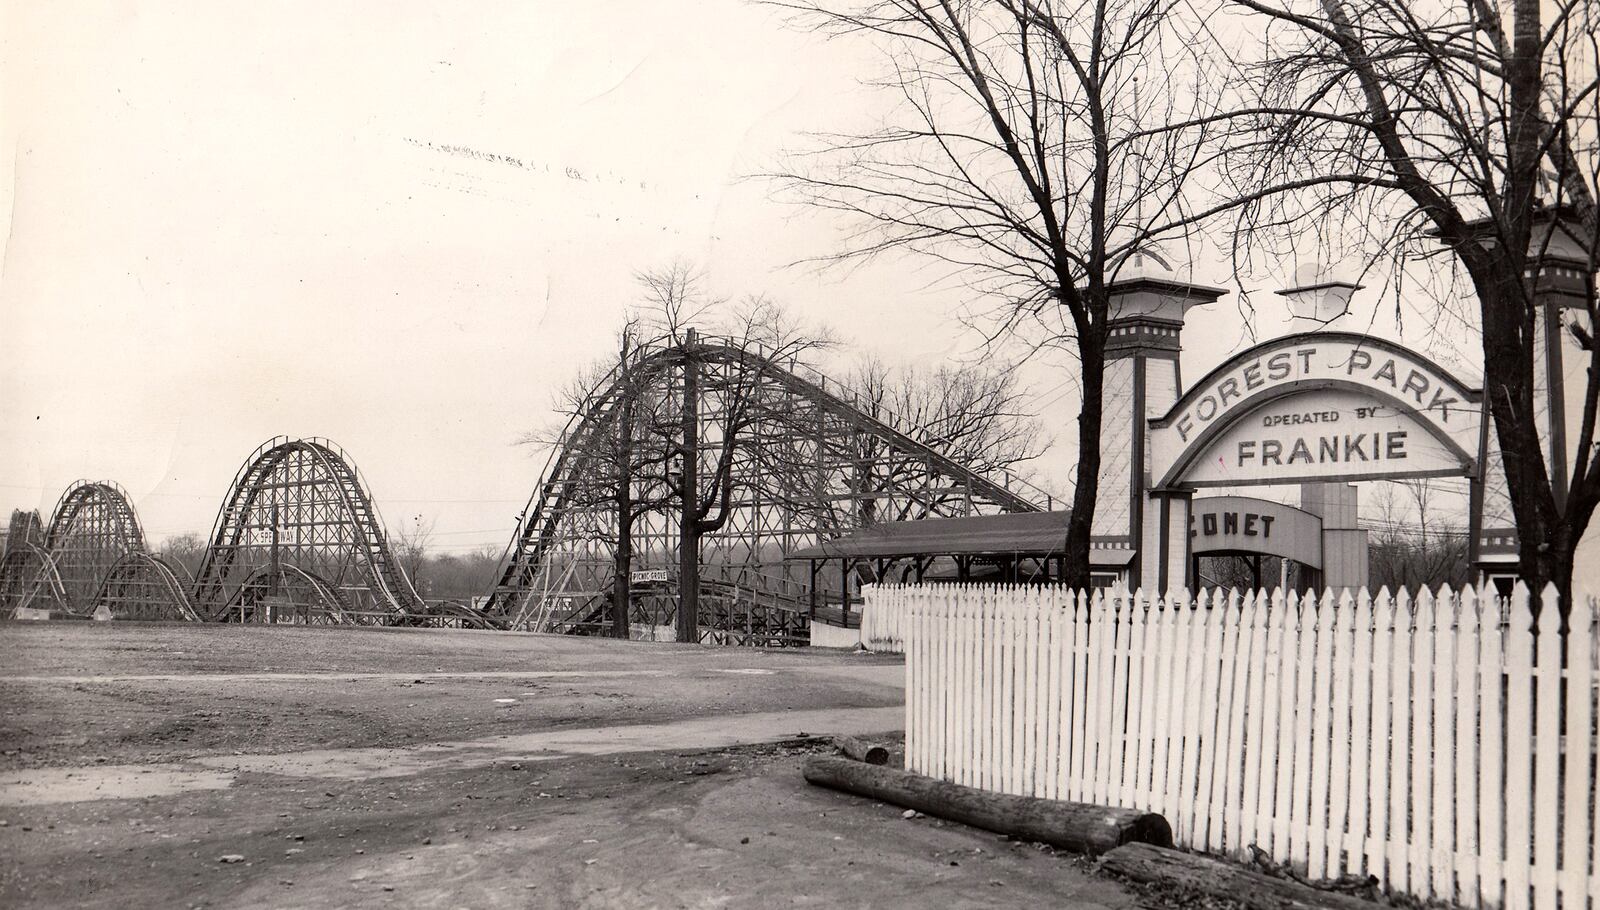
<point x="883" y="619"/>
<point x="1430" y="742"/>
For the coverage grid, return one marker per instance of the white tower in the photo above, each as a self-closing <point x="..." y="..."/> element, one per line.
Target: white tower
<point x="1148" y="305"/>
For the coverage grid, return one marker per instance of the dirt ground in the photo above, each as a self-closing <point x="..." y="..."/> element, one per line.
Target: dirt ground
<point x="124" y="693"/>
<point x="521" y="771"/>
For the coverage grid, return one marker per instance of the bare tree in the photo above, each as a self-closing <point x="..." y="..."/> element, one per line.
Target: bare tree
<point x="1026" y="158"/>
<point x="720" y="412"/>
<point x="1414" y="543"/>
<point x="187" y="550"/>
<point x="461" y="576"/>
<point x="604" y="416"/>
<point x="1462" y="131"/>
<point x="977" y="416"/>
<point x="650" y="446"/>
<point x="411" y="542"/>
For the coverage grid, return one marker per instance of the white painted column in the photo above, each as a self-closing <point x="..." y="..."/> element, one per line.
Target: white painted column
<point x="1344" y="545"/>
<point x="1148" y="306"/>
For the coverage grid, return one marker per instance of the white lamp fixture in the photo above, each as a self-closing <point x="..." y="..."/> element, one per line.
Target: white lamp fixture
<point x="1317" y="297"/>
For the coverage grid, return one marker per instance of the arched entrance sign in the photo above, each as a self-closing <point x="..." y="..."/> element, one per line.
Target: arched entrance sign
<point x="1319" y="410"/>
<point x="1318" y="407"/>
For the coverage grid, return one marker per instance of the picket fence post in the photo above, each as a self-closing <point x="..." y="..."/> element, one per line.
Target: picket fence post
<point x="1335" y="767"/>
<point x="1441" y="765"/>
<point x="1578" y="835"/>
<point x="1256" y="771"/>
<point x="1547" y="749"/>
<point x="1468" y="747"/>
<point x="1126" y="700"/>
<point x="1519" y="759"/>
<point x="1147" y="618"/>
<point x="1492" y="745"/>
<point x="1422" y="755"/>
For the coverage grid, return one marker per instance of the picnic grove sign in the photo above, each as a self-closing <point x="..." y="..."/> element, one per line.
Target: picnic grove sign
<point x="1318" y="407"/>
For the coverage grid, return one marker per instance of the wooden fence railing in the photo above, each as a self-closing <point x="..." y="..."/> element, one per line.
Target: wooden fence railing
<point x="1445" y="744"/>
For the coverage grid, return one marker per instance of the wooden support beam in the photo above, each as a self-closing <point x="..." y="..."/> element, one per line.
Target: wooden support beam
<point x="1072" y="826"/>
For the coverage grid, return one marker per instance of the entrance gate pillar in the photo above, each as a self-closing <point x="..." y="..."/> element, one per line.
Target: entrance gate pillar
<point x="1164" y="550"/>
<point x="1560" y="377"/>
<point x="1344" y="546"/>
<point x="1148" y="305"/>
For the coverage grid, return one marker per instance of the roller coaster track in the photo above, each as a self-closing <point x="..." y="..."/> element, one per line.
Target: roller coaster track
<point x="307" y="491"/>
<point x="92" y="529"/>
<point x="545" y="529"/>
<point x="298" y="536"/>
<point x="143" y="586"/>
<point x="297" y="539"/>
<point x="29" y="579"/>
<point x="733" y="584"/>
<point x="311" y="599"/>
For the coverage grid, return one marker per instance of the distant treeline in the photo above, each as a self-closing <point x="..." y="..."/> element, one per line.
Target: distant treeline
<point x="437" y="576"/>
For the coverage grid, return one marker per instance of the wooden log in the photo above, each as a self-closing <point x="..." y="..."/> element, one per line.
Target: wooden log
<point x="1071" y="826"/>
<point x="861" y="750"/>
<point x="1146" y="863"/>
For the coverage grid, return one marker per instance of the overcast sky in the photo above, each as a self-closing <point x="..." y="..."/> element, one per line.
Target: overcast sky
<point x="233" y="221"/>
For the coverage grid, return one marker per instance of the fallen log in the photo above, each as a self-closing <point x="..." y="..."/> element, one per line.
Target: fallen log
<point x="1146" y="863"/>
<point x="860" y="750"/>
<point x="1072" y="826"/>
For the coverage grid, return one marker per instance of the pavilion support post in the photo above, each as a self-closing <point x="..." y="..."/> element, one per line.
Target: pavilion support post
<point x="813" y="589"/>
<point x="844" y="592"/>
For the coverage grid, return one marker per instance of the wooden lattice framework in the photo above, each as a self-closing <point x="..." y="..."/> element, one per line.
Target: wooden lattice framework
<point x="811" y="460"/>
<point x="298" y="539"/>
<point x="92" y="557"/>
<point x="144" y="586"/>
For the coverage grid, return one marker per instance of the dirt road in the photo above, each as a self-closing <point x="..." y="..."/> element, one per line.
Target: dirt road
<point x="353" y="768"/>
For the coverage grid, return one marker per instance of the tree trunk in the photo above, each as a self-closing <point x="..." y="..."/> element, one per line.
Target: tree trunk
<point x="1509" y="343"/>
<point x="622" y="567"/>
<point x="622" y="572"/>
<point x="1555" y="559"/>
<point x="688" y="619"/>
<point x="1510" y="297"/>
<point x="1071" y="826"/>
<point x="1189" y="872"/>
<point x="862" y="750"/>
<point x="1086" y="488"/>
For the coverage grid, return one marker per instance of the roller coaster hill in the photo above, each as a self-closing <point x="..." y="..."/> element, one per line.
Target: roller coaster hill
<point x="772" y="455"/>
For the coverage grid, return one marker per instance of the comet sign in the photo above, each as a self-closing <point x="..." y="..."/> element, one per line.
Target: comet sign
<point x="1325" y="407"/>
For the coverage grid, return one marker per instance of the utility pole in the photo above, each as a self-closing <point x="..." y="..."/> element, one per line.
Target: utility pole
<point x="689" y="496"/>
<point x="272" y="560"/>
